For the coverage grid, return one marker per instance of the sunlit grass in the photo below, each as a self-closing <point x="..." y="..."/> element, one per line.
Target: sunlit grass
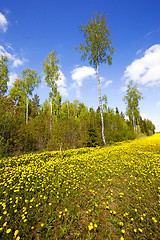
<point x="89" y="193"/>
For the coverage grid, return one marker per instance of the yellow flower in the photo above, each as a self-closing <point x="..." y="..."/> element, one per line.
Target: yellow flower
<point x="121" y="223"/>
<point x="4" y="224"/>
<point x="153" y="218"/>
<point x="8" y="231"/>
<point x="122" y="231"/>
<point x="140" y="230"/>
<point x="95" y="225"/>
<point x="90" y="227"/>
<point x="42" y="224"/>
<point x="18" y="238"/>
<point x="16" y="232"/>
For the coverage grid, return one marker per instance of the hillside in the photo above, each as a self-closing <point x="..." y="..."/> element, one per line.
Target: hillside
<point x="88" y="193"/>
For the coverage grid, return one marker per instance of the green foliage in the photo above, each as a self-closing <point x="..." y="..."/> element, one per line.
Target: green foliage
<point x="4" y="79"/>
<point x="31" y="80"/>
<point x="18" y="93"/>
<point x="52" y="73"/>
<point x="132" y="98"/>
<point x="91" y="140"/>
<point x="97" y="46"/>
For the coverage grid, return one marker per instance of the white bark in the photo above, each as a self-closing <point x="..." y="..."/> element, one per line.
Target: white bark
<point x="100" y="104"/>
<point x="27" y="110"/>
<point x="51" y="115"/>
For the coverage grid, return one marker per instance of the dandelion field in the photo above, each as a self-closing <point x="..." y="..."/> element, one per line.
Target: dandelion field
<point x="89" y="193"/>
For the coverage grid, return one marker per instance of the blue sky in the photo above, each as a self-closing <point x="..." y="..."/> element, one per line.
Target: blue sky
<point x="29" y="30"/>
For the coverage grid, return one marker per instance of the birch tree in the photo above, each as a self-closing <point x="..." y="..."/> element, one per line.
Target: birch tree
<point x="132" y="98"/>
<point x="31" y="80"/>
<point x="97" y="48"/>
<point x="51" y="70"/>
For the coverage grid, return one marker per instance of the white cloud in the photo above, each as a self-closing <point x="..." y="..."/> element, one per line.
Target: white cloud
<point x="145" y="70"/>
<point x="108" y="83"/>
<point x="61" y="84"/>
<point x="12" y="57"/>
<point x="3" y="23"/>
<point x="63" y="91"/>
<point x="79" y="74"/>
<point x="17" y="62"/>
<point x="9" y="46"/>
<point x="5" y="53"/>
<point x="12" y="78"/>
<point x="62" y="80"/>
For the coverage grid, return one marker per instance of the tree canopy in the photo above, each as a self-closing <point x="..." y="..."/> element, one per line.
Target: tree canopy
<point x="98" y="43"/>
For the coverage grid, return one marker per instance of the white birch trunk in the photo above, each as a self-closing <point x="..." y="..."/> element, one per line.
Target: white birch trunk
<point x="27" y="110"/>
<point x="100" y="104"/>
<point x="51" y="116"/>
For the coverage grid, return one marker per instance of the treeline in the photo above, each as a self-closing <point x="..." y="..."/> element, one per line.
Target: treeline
<point x="26" y="126"/>
<point x="73" y="126"/>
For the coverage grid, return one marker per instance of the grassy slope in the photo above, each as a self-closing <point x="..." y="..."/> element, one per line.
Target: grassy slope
<point x="96" y="193"/>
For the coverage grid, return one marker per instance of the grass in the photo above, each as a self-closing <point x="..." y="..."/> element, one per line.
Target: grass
<point x="89" y="193"/>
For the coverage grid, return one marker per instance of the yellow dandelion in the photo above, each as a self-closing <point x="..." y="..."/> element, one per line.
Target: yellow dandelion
<point x="8" y="231"/>
<point x="90" y="226"/>
<point x="16" y="232"/>
<point x="121" y="223"/>
<point x="4" y="224"/>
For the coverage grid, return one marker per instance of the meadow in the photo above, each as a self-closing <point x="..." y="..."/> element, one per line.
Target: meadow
<point x="87" y="193"/>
